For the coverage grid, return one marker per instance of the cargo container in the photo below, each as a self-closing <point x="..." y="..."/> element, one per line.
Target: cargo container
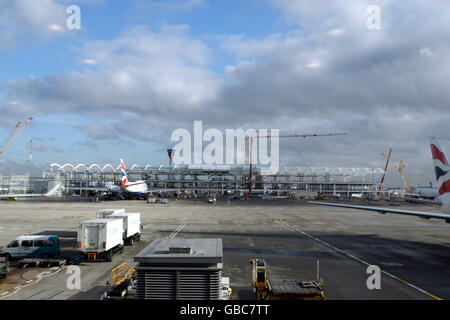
<point x="99" y="239"/>
<point x="131" y="226"/>
<point x="106" y="212"/>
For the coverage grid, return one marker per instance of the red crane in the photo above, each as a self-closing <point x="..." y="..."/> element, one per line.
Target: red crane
<point x="284" y="136"/>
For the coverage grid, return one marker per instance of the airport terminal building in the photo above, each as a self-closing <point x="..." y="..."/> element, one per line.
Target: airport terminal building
<point x="221" y="180"/>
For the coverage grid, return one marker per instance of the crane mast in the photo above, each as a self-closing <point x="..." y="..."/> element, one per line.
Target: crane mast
<point x="16" y="131"/>
<point x="399" y="166"/>
<point x="385" y="168"/>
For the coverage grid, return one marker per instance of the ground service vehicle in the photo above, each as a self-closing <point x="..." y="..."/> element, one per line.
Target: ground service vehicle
<point x="33" y="246"/>
<point x="131" y="226"/>
<point x="99" y="239"/>
<point x="4" y="266"/>
<point x="106" y="212"/>
<point x="283" y="289"/>
<point x="122" y="283"/>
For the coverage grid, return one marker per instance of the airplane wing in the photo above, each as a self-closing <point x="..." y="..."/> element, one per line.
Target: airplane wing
<point x="24" y="195"/>
<point x="436" y="201"/>
<point x="97" y="189"/>
<point x="50" y="193"/>
<point x="88" y="189"/>
<point x="425" y="215"/>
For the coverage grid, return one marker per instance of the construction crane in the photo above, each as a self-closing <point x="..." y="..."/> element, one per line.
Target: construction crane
<point x="16" y="131"/>
<point x="399" y="166"/>
<point x="385" y="169"/>
<point x="284" y="136"/>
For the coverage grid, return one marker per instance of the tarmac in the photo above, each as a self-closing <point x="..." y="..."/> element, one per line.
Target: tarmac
<point x="412" y="253"/>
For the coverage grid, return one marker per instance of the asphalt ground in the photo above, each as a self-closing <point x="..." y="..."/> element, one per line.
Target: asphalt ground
<point x="412" y="253"/>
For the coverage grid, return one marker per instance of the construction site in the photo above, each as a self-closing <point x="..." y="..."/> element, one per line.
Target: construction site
<point x="221" y="180"/>
<point x="197" y="180"/>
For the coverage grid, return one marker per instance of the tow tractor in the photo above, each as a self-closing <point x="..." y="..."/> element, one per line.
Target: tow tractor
<point x="284" y="289"/>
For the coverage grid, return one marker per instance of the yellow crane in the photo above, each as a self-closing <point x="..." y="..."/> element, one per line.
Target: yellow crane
<point x="17" y="129"/>
<point x="399" y="166"/>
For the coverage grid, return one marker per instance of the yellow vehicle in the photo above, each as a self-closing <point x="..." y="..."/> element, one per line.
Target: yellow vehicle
<point x="284" y="289"/>
<point x="122" y="281"/>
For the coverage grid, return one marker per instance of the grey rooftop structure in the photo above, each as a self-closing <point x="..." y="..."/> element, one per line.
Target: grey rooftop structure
<point x="181" y="252"/>
<point x="180" y="269"/>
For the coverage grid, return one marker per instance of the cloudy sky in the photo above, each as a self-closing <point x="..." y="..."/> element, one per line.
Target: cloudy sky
<point x="139" y="69"/>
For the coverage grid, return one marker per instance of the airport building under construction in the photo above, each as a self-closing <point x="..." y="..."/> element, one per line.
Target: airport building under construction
<point x="221" y="180"/>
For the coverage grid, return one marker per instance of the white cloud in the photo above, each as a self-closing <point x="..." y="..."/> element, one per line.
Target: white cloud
<point x="335" y="32"/>
<point x="55" y="27"/>
<point x="377" y="86"/>
<point x="142" y="74"/>
<point x="426" y="52"/>
<point x="315" y="64"/>
<point x="90" y="61"/>
<point x="23" y="18"/>
<point x="171" y="5"/>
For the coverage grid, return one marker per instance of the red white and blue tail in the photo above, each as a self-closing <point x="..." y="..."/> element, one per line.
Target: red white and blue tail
<point x="441" y="167"/>
<point x="124" y="174"/>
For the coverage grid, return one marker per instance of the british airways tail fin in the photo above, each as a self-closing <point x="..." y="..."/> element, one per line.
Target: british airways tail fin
<point x="124" y="174"/>
<point x="441" y="167"/>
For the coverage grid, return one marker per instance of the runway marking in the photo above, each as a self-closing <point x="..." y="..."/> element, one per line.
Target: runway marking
<point x="360" y="260"/>
<point x="28" y="283"/>
<point x="174" y="234"/>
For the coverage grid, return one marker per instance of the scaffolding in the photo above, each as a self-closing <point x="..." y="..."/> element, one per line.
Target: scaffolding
<point x="15" y="185"/>
<point x="221" y="179"/>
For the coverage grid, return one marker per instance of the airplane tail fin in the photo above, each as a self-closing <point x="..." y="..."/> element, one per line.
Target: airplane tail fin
<point x="53" y="191"/>
<point x="441" y="167"/>
<point x="124" y="173"/>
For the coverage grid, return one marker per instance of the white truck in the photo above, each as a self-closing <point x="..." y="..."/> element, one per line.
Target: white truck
<point x="131" y="225"/>
<point x="99" y="239"/>
<point x="106" y="212"/>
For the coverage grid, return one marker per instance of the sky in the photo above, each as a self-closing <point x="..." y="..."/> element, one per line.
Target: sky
<point x="137" y="70"/>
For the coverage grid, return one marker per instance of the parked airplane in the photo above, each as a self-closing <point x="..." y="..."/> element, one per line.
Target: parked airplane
<point x="442" y="170"/>
<point x="50" y="193"/>
<point x="132" y="189"/>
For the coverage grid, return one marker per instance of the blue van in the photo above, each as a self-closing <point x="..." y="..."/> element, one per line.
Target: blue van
<point x="37" y="246"/>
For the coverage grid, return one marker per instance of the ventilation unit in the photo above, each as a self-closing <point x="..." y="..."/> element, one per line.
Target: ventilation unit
<point x="180" y="269"/>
